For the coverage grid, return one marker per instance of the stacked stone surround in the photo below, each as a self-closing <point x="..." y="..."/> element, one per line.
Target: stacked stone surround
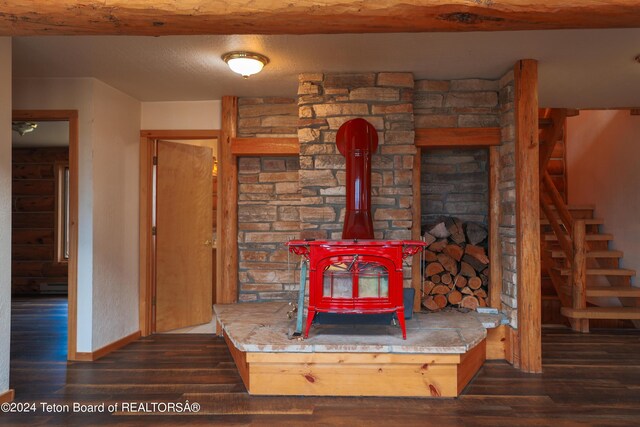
<point x="507" y="187"/>
<point x="455" y="182"/>
<point x="325" y="102"/>
<point x="268" y="199"/>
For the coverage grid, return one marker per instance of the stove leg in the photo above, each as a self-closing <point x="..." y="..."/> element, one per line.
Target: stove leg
<point x="403" y="326"/>
<point x="310" y="315"/>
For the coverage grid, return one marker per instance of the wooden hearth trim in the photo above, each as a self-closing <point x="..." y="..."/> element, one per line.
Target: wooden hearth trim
<point x="495" y="246"/>
<point x="457" y="137"/>
<point x="528" y="215"/>
<point x="189" y="17"/>
<point x="265" y="146"/>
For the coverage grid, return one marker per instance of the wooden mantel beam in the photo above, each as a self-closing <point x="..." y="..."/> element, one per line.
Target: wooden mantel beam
<point x="153" y="18"/>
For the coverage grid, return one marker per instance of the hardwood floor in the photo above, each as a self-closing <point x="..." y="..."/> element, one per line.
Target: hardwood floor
<point x="591" y="379"/>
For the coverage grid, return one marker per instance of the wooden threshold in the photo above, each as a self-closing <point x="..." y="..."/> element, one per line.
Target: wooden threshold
<point x="357" y="374"/>
<point x="103" y="351"/>
<point x="7" y="396"/>
<point x="265" y="146"/>
<point x="457" y="137"/>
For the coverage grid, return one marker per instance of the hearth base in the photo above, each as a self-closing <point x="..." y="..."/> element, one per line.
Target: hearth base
<point x="442" y="354"/>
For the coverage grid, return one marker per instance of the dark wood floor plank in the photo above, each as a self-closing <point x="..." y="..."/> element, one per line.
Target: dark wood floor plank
<point x="588" y="379"/>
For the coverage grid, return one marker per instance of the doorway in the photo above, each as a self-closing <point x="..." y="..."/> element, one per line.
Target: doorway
<point x="45" y="209"/>
<point x="178" y="218"/>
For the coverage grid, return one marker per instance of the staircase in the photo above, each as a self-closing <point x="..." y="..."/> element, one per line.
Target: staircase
<point x="578" y="268"/>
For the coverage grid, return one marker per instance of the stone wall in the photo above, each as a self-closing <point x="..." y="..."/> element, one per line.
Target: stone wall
<point x="268" y="199"/>
<point x="507" y="186"/>
<point x="455" y="182"/>
<point x="325" y="102"/>
<point x="456" y="103"/>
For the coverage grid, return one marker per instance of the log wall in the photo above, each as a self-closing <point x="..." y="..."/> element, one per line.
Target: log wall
<point x="33" y="223"/>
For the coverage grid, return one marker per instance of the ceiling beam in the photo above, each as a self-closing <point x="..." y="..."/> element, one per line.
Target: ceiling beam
<point x="153" y="18"/>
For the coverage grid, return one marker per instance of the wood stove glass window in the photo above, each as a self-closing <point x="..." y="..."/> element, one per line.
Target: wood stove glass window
<point x="355" y="279"/>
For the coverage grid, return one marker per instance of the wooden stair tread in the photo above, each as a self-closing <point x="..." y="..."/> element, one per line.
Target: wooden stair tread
<point x="577" y="207"/>
<point x="630" y="313"/>
<point x="589" y="221"/>
<point x="613" y="291"/>
<point x="590" y="237"/>
<point x="591" y="254"/>
<point x="601" y="272"/>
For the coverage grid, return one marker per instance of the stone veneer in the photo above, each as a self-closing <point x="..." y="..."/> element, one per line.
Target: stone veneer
<point x="268" y="199"/>
<point x="325" y="102"/>
<point x="507" y="187"/>
<point x="455" y="183"/>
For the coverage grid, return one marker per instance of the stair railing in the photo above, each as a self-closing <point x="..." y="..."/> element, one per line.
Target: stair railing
<point x="571" y="234"/>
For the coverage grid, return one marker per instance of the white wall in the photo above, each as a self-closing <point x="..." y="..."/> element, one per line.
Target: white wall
<point x="72" y="94"/>
<point x="108" y="190"/>
<point x="603" y="164"/>
<point x="5" y="210"/>
<point x="186" y="115"/>
<point x="116" y="150"/>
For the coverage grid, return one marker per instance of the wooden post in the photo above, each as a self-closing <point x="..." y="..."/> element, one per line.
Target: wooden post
<point x="227" y="234"/>
<point x="528" y="215"/>
<point x="495" y="248"/>
<point x="579" y="274"/>
<point x="416" y="210"/>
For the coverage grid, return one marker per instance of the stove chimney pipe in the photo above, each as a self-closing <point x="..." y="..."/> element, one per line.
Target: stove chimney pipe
<point x="357" y="140"/>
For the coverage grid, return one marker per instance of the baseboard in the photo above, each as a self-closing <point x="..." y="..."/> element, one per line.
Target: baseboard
<point x="7" y="396"/>
<point x="101" y="352"/>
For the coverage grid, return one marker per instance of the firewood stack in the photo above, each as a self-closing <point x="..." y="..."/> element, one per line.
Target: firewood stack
<point x="455" y="267"/>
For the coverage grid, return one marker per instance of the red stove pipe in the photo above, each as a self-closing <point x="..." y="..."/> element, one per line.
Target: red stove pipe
<point x="357" y="140"/>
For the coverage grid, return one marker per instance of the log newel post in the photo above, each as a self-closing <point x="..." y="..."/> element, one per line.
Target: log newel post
<point x="579" y="273"/>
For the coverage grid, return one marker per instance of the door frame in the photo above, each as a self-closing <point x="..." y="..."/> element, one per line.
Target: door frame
<point x="70" y="116"/>
<point x="147" y="254"/>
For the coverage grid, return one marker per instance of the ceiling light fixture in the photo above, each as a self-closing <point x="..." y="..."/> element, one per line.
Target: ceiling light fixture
<point x="245" y="63"/>
<point x="23" y="127"/>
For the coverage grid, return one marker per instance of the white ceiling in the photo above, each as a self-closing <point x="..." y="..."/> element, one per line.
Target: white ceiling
<point x="47" y="134"/>
<point x="577" y="68"/>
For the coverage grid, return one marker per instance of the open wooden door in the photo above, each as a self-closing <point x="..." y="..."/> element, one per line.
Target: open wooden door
<point x="183" y="236"/>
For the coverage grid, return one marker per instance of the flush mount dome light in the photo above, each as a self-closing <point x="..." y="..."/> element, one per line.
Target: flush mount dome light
<point x="245" y="63"/>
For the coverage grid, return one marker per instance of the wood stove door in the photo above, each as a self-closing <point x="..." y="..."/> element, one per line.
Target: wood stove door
<point x="356" y="283"/>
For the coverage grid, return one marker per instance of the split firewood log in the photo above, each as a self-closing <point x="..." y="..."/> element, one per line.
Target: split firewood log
<point x="440" y="300"/>
<point x="440" y="290"/>
<point x="430" y="256"/>
<point x="469" y="302"/>
<point x="454" y="297"/>
<point x="478" y="253"/>
<point x="454" y="225"/>
<point x="483" y="302"/>
<point x="480" y="293"/>
<point x="467" y="270"/>
<point x="435" y="278"/>
<point x="448" y="263"/>
<point x="429" y="303"/>
<point x="440" y="231"/>
<point x="433" y="268"/>
<point x="454" y="251"/>
<point x="475" y="233"/>
<point x="475" y="283"/>
<point x="473" y="262"/>
<point x="429" y="238"/>
<point x="427" y="287"/>
<point x="466" y="290"/>
<point x="438" y="246"/>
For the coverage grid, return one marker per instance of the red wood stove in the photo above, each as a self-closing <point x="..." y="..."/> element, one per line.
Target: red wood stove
<point x="361" y="277"/>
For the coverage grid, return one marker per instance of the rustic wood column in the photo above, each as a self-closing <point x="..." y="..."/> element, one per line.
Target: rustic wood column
<point x="528" y="215"/>
<point x="416" y="234"/>
<point x="495" y="249"/>
<point x="227" y="230"/>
